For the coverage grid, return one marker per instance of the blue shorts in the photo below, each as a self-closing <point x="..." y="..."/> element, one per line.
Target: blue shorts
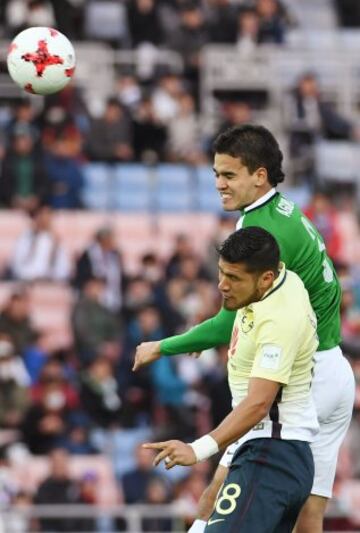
<point x="268" y="482"/>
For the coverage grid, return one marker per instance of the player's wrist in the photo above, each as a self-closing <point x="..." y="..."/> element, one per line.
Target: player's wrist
<point x="204" y="447"/>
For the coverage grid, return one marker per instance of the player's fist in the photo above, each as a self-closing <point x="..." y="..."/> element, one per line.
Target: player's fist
<point x="146" y="353"/>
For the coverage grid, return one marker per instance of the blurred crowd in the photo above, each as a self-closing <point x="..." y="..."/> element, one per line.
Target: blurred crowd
<point x="83" y="398"/>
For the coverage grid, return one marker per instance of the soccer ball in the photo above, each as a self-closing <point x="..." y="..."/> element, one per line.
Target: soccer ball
<point x="41" y="60"/>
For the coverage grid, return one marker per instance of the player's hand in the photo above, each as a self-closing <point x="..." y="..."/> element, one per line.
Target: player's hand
<point x="173" y="452"/>
<point x="146" y="353"/>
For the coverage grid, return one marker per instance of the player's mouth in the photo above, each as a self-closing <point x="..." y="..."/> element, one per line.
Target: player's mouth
<point x="225" y="197"/>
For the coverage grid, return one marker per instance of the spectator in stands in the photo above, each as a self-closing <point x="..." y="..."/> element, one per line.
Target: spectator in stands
<point x="102" y="259"/>
<point x="110" y="137"/>
<point x="53" y="373"/>
<point x="157" y="493"/>
<point x="190" y="37"/>
<point x="234" y="113"/>
<point x="182" y="248"/>
<point x="348" y="13"/>
<point x="49" y="418"/>
<point x="144" y="23"/>
<point x="272" y="28"/>
<point x="150" y="134"/>
<point x="225" y="226"/>
<point x="248" y="36"/>
<point x="15" y="321"/>
<point x="165" y="96"/>
<point x="311" y="118"/>
<point x="185" y="133"/>
<point x="58" y="124"/>
<point x="47" y="422"/>
<point x="138" y="294"/>
<point x="64" y="169"/>
<point x="23" y="116"/>
<point x="21" y="15"/>
<point x="24" y="181"/>
<point x="69" y="17"/>
<point x="95" y="327"/>
<point x="100" y="395"/>
<point x="77" y="440"/>
<point x="60" y="488"/>
<point x="191" y="489"/>
<point x="76" y="115"/>
<point x="14" y="382"/>
<point x="134" y="483"/>
<point x="38" y="254"/>
<point x="20" y="520"/>
<point x="128" y="91"/>
<point x="325" y="217"/>
<point x="222" y="26"/>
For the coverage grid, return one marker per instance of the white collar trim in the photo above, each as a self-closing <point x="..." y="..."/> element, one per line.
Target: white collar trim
<point x="261" y="200"/>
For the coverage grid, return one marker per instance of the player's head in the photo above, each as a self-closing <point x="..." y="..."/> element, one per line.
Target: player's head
<point x="248" y="264"/>
<point x="247" y="164"/>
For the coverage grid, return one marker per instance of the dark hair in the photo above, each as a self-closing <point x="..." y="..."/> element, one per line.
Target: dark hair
<point x="253" y="246"/>
<point x="255" y="146"/>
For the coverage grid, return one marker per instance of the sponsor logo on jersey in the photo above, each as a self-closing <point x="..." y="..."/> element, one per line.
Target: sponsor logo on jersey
<point x="270" y="356"/>
<point x="285" y="207"/>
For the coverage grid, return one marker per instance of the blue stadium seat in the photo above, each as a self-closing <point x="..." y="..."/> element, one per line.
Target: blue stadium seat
<point x="175" y="188"/>
<point x="97" y="192"/>
<point x="208" y="198"/>
<point x="132" y="187"/>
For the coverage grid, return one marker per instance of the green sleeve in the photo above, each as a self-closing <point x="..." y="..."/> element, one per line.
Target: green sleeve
<point x="213" y="332"/>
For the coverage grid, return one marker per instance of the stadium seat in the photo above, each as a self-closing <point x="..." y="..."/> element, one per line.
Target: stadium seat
<point x="97" y="192"/>
<point x="199" y="227"/>
<point x="132" y="187"/>
<point x="207" y="196"/>
<point x="337" y="161"/>
<point x="30" y="473"/>
<point x="175" y="188"/>
<point x="77" y="228"/>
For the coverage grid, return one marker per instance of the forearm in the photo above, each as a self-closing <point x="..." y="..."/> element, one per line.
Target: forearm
<point x="213" y="332"/>
<point x="238" y="422"/>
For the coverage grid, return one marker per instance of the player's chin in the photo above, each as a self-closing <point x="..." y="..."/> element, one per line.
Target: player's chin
<point x="229" y="305"/>
<point x="229" y="205"/>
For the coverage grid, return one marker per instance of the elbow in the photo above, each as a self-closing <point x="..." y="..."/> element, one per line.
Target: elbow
<point x="260" y="409"/>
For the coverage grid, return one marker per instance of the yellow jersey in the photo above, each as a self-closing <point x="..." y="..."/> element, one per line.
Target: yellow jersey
<point x="275" y="338"/>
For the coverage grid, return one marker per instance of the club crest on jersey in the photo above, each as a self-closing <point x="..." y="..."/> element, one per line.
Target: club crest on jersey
<point x="247" y="321"/>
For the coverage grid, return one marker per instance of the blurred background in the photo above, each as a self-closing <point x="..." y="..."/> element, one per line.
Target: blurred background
<point x="108" y="222"/>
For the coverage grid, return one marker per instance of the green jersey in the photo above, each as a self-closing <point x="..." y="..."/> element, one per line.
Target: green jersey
<point x="302" y="249"/>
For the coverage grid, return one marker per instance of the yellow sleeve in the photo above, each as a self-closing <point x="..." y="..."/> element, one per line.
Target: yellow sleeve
<point x="275" y="352"/>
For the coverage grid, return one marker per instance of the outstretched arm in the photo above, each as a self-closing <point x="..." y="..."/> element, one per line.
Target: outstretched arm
<point x="213" y="332"/>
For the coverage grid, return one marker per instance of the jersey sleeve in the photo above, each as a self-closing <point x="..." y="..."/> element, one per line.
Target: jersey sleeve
<point x="275" y="353"/>
<point x="213" y="332"/>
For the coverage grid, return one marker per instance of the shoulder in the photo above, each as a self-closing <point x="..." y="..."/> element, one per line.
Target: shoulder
<point x="286" y="300"/>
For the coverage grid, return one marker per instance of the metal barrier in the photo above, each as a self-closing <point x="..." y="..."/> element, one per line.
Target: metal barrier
<point x="105" y="517"/>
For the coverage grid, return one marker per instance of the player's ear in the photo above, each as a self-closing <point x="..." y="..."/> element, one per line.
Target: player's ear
<point x="266" y="279"/>
<point x="261" y="177"/>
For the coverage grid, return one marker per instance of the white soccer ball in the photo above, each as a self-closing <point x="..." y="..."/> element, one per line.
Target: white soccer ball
<point x="41" y="60"/>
